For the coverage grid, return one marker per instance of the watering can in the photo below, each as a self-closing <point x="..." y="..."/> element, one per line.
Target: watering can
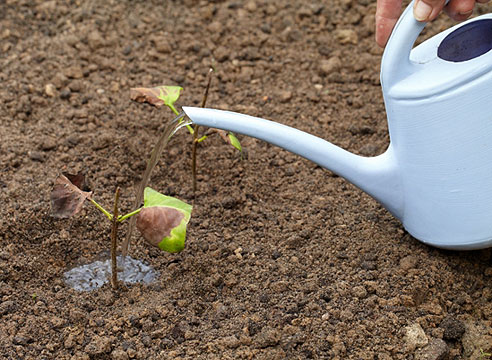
<point x="436" y="174"/>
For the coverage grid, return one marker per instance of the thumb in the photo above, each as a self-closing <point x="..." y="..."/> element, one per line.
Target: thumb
<point x="427" y="10"/>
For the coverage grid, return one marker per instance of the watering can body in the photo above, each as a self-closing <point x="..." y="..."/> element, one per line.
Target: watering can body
<point x="440" y="124"/>
<point x="436" y="175"/>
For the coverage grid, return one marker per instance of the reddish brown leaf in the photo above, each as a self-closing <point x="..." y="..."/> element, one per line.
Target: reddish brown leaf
<point x="67" y="198"/>
<point x="223" y="135"/>
<point x="77" y="180"/>
<point x="155" y="223"/>
<point x="147" y="95"/>
<point x="228" y="137"/>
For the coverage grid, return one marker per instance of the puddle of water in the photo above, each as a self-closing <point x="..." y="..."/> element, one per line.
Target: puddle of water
<point x="94" y="275"/>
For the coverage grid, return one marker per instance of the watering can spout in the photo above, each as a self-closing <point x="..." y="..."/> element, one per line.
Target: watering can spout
<point x="378" y="176"/>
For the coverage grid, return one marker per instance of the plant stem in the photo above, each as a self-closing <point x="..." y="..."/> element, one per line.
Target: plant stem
<point x="114" y="238"/>
<point x="103" y="210"/>
<point x="193" y="157"/>
<point x="209" y="80"/>
<point x="124" y="217"/>
<point x="195" y="132"/>
<point x="171" y="106"/>
<point x="139" y="196"/>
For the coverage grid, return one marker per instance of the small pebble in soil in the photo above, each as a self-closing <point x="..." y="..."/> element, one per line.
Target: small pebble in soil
<point x="328" y="66"/>
<point x="7" y="307"/>
<point x="368" y="265"/>
<point x="359" y="291"/>
<point x="36" y="156"/>
<point x="47" y="144"/>
<point x="73" y="72"/>
<point x="21" y="340"/>
<point x="267" y="337"/>
<point x="50" y="90"/>
<point x="65" y="94"/>
<point x="408" y="262"/>
<point x="75" y="86"/>
<point x="437" y="349"/>
<point x="127" y="50"/>
<point x="119" y="354"/>
<point x="415" y="337"/>
<point x="276" y="254"/>
<point x="96" y="274"/>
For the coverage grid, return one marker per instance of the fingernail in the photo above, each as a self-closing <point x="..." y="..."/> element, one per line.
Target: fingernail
<point x="466" y="13"/>
<point x="422" y="11"/>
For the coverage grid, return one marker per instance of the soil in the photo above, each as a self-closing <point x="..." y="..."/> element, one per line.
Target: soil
<point x="284" y="260"/>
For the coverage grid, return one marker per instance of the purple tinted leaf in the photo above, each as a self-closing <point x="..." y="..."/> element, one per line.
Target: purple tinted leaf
<point x="155" y="223"/>
<point x="147" y="95"/>
<point x="67" y="198"/>
<point x="156" y="96"/>
<point x="77" y="180"/>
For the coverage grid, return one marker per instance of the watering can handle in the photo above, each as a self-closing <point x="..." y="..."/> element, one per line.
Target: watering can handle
<point x="396" y="63"/>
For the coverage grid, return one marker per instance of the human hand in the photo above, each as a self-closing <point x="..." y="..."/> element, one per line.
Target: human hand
<point x="388" y="12"/>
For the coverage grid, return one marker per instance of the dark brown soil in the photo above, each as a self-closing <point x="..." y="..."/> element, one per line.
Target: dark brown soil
<point x="283" y="260"/>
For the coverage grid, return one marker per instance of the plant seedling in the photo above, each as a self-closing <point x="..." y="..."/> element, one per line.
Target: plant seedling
<point x="162" y="220"/>
<point x="158" y="96"/>
<point x="168" y="95"/>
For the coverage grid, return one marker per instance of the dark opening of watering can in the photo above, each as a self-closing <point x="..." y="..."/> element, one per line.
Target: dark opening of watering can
<point x="467" y="42"/>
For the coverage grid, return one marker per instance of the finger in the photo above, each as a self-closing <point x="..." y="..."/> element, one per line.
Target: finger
<point x="460" y="9"/>
<point x="387" y="14"/>
<point x="427" y="10"/>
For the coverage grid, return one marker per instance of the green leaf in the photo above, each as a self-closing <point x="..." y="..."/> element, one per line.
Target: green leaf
<point x="234" y="141"/>
<point x="202" y="139"/>
<point x="163" y="221"/>
<point x="157" y="96"/>
<point x="155" y="198"/>
<point x="169" y="94"/>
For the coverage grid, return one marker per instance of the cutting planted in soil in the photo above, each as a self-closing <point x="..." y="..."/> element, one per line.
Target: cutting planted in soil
<point x="168" y="95"/>
<point x="162" y="220"/>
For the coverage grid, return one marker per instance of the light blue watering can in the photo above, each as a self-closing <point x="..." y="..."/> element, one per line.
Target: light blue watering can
<point x="436" y="175"/>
